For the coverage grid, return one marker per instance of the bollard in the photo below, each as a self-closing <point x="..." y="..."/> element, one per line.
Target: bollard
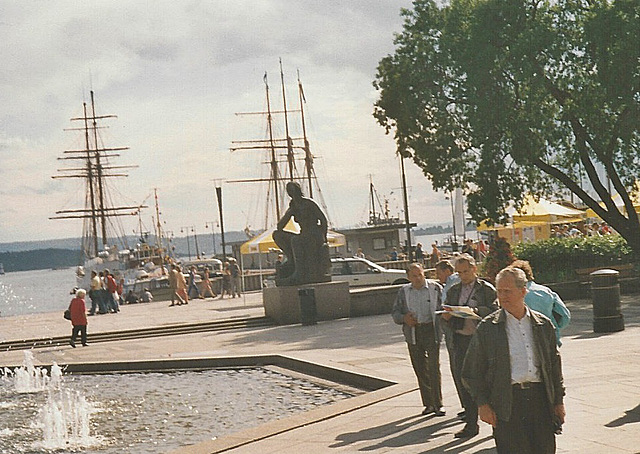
<point x="605" y="293"/>
<point x="308" y="313"/>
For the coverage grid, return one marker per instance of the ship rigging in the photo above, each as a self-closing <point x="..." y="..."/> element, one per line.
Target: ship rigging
<point x="282" y="153"/>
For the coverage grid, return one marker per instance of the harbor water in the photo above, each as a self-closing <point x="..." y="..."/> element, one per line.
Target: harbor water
<point x="36" y="291"/>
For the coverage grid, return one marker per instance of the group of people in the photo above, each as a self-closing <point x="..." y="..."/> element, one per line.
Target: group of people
<point x="182" y="289"/>
<point x="503" y="345"/>
<point x="581" y="229"/>
<point x="105" y="292"/>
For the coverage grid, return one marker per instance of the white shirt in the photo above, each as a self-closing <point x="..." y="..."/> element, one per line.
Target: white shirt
<point x="525" y="364"/>
<point x="418" y="302"/>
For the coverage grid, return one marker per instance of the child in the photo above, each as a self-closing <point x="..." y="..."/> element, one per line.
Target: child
<point x="78" y="318"/>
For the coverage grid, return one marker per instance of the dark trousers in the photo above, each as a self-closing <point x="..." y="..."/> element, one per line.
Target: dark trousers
<point x="460" y="346"/>
<point x="448" y="339"/>
<point x="82" y="329"/>
<point x="425" y="359"/>
<point x="530" y="427"/>
<point x="94" y="295"/>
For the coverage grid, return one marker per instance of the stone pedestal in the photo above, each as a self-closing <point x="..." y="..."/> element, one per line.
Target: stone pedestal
<point x="282" y="304"/>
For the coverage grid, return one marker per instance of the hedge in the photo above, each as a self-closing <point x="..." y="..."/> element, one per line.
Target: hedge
<point x="556" y="259"/>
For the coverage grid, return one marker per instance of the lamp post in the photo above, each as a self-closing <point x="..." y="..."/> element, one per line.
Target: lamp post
<point x="186" y="230"/>
<point x="224" y="247"/>
<point x="406" y="210"/>
<point x="195" y="238"/>
<point x="213" y="234"/>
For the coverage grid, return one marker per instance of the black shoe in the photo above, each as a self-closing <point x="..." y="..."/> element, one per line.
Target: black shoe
<point x="468" y="432"/>
<point x="72" y="343"/>
<point x="437" y="411"/>
<point x="85" y="344"/>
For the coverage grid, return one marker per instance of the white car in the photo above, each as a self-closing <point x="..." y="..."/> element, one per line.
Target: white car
<point x="359" y="272"/>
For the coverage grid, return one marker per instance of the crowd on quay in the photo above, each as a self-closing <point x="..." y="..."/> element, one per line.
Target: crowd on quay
<point x="107" y="295"/>
<point x="503" y="345"/>
<point x="182" y="289"/>
<point x="581" y="229"/>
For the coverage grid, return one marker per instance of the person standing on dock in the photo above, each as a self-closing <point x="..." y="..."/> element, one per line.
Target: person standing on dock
<point x="415" y="309"/>
<point x="236" y="278"/>
<point x="480" y="296"/>
<point x="173" y="284"/>
<point x="513" y="371"/>
<point x="113" y="302"/>
<point x="542" y="299"/>
<point x="95" y="293"/>
<point x="78" y="311"/>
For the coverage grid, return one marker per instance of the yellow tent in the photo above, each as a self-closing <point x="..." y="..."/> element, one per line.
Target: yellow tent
<point x="546" y="211"/>
<point x="534" y="220"/>
<point x="264" y="242"/>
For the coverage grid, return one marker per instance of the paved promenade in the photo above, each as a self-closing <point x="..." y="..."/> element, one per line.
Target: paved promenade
<point x="601" y="374"/>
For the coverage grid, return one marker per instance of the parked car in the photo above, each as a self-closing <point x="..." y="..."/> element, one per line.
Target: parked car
<point x="359" y="272"/>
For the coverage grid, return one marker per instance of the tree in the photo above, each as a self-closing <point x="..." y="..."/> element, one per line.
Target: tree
<point x="499" y="257"/>
<point x="509" y="97"/>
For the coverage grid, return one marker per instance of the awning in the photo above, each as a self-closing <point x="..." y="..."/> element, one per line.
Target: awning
<point x="264" y="242"/>
<point x="546" y="211"/>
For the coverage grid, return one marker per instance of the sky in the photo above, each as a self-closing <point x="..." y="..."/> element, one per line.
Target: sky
<point x="176" y="74"/>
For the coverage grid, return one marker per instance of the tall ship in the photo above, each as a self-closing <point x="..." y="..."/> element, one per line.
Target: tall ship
<point x="104" y="244"/>
<point x="285" y="149"/>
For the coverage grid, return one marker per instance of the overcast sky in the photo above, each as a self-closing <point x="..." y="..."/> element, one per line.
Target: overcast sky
<point x="175" y="73"/>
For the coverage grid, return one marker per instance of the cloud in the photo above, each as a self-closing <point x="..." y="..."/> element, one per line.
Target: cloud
<point x="175" y="74"/>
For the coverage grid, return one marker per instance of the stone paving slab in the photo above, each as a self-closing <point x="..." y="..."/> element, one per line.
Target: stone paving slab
<point x="601" y="370"/>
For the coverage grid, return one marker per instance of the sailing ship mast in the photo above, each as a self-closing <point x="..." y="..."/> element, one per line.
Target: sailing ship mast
<point x="276" y="147"/>
<point x="95" y="170"/>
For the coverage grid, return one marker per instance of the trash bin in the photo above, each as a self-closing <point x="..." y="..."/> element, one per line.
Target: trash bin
<point x="308" y="313"/>
<point x="605" y="293"/>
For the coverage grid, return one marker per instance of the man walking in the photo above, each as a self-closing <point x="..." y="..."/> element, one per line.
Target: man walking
<point x="514" y="374"/>
<point x="414" y="309"/>
<point x="480" y="296"/>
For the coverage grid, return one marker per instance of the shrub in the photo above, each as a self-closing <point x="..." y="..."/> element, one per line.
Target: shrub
<point x="499" y="256"/>
<point x="556" y="259"/>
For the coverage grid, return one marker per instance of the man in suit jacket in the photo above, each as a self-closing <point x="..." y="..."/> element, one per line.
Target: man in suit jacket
<point x="480" y="296"/>
<point x="513" y="372"/>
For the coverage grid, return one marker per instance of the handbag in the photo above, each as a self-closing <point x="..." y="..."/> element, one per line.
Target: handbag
<point x="67" y="314"/>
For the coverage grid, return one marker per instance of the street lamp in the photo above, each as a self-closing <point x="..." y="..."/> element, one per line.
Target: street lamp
<point x="186" y="230"/>
<point x="213" y="234"/>
<point x="219" y="196"/>
<point x="195" y="237"/>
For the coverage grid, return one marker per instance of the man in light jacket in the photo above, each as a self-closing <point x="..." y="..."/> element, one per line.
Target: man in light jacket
<point x="414" y="309"/>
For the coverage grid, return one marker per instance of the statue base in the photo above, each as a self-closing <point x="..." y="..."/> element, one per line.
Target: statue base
<point x="282" y="304"/>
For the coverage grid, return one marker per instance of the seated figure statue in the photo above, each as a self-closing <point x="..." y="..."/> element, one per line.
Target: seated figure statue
<point x="307" y="253"/>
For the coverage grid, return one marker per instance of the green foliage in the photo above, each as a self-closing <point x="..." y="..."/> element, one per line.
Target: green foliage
<point x="507" y="97"/>
<point x="556" y="259"/>
<point x="499" y="256"/>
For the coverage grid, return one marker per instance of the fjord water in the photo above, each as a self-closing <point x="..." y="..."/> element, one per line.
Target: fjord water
<point x="32" y="292"/>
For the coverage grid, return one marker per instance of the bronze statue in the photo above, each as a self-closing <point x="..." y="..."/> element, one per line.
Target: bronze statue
<point x="307" y="253"/>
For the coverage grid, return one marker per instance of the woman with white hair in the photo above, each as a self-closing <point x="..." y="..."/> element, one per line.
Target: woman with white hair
<point x="78" y="311"/>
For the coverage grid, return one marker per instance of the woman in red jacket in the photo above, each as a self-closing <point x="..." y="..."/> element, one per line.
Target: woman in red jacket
<point x="78" y="318"/>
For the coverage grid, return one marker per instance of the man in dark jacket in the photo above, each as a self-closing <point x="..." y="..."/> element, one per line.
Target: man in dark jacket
<point x="513" y="372"/>
<point x="480" y="296"/>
